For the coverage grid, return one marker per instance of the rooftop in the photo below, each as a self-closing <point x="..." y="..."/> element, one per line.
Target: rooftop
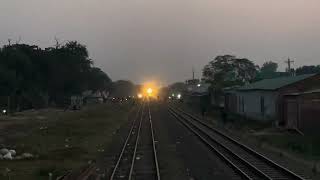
<point x="276" y="83"/>
<point x="306" y="92"/>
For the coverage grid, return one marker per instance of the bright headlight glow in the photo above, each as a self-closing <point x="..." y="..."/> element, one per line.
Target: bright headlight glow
<point x="149" y="91"/>
<point x="139" y="95"/>
<point x="4" y="111"/>
<point x="179" y="96"/>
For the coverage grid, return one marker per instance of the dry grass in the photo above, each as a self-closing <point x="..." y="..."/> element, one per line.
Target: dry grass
<point x="68" y="139"/>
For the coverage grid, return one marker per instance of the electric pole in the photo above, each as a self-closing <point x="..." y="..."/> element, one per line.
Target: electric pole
<point x="192" y="73"/>
<point x="288" y="62"/>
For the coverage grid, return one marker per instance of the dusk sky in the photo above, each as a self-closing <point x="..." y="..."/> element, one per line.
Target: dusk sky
<point x="143" y="40"/>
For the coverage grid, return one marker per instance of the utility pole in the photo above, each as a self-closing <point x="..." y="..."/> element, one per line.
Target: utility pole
<point x="288" y="62"/>
<point x="57" y="45"/>
<point x="192" y="73"/>
<point x="18" y="41"/>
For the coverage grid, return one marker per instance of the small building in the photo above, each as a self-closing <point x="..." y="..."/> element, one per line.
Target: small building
<point x="302" y="111"/>
<point x="264" y="100"/>
<point x="94" y="97"/>
<point x="198" y="94"/>
<point x="76" y="102"/>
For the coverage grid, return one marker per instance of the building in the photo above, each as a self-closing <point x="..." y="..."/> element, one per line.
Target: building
<point x="302" y="111"/>
<point x="198" y="94"/>
<point x="264" y="100"/>
<point x="94" y="97"/>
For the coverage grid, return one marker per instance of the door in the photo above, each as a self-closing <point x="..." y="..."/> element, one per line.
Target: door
<point x="291" y="113"/>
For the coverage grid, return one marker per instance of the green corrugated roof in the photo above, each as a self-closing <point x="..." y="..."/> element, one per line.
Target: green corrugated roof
<point x="276" y="83"/>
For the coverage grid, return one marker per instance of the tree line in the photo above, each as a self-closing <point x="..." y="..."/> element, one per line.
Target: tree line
<point x="32" y="77"/>
<point x="228" y="70"/>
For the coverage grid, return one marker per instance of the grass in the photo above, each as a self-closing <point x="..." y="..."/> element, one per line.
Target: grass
<point x="68" y="141"/>
<point x="306" y="147"/>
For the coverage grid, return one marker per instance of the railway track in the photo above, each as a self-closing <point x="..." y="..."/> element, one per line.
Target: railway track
<point x="248" y="163"/>
<point x="138" y="156"/>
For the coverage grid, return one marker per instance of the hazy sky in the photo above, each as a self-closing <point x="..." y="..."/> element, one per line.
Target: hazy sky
<point x="145" y="40"/>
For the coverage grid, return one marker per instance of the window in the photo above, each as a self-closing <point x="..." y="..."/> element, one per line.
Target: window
<point x="242" y="104"/>
<point x="262" y="109"/>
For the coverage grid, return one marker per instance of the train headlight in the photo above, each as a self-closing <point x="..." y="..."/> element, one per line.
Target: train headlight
<point x="149" y="91"/>
<point x="179" y="96"/>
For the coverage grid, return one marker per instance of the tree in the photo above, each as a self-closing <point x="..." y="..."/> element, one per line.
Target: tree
<point x="123" y="88"/>
<point x="269" y="67"/>
<point x="177" y="87"/>
<point x="98" y="80"/>
<point x="227" y="70"/>
<point x="30" y="76"/>
<point x="308" y="70"/>
<point x="268" y="71"/>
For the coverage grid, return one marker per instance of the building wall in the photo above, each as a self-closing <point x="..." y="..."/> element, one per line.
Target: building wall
<point x="217" y="98"/>
<point x="304" y="112"/>
<point x="248" y="103"/>
<point x="231" y="102"/>
<point x="299" y="87"/>
<point x="258" y="105"/>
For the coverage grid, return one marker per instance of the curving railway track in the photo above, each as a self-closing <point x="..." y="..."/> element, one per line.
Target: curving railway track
<point x="248" y="163"/>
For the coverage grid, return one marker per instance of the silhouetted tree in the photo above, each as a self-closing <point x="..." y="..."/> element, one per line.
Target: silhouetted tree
<point x="177" y="87"/>
<point x="308" y="70"/>
<point x="268" y="70"/>
<point x="269" y="67"/>
<point x="123" y="88"/>
<point x="31" y="76"/>
<point x="227" y="70"/>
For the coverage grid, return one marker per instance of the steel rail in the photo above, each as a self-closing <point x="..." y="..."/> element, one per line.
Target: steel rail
<point x="244" y="147"/>
<point x="221" y="155"/>
<point x="125" y="144"/>
<point x="136" y="147"/>
<point x="154" y="144"/>
<point x="252" y="168"/>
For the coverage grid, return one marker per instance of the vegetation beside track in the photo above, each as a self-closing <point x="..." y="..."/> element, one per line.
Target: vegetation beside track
<point x="61" y="140"/>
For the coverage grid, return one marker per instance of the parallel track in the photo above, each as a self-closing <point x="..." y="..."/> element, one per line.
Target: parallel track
<point x="138" y="156"/>
<point x="248" y="163"/>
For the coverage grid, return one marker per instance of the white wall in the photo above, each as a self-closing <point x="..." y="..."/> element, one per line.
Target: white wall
<point x="252" y="104"/>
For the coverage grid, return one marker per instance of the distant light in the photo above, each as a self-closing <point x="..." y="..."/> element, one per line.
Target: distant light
<point x="179" y="96"/>
<point x="198" y="85"/>
<point x="140" y="96"/>
<point x="172" y="95"/>
<point x="169" y="97"/>
<point x="126" y="99"/>
<point x="149" y="91"/>
<point x="4" y="111"/>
